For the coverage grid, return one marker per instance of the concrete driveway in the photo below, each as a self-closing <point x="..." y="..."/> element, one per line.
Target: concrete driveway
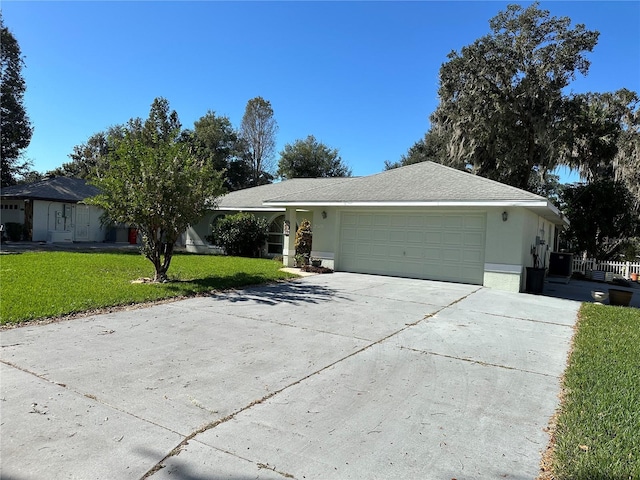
<point x="331" y="376"/>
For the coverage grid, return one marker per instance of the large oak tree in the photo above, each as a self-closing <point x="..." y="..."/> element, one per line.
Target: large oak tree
<point x="502" y="108"/>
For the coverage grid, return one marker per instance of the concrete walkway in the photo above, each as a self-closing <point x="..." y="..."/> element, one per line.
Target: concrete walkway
<point x="330" y="376"/>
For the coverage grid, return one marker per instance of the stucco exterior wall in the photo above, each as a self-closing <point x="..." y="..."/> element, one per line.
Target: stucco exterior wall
<point x="325" y="227"/>
<point x="509" y="246"/>
<point x="503" y="256"/>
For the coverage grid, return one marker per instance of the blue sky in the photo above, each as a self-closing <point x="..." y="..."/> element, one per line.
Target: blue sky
<point x="360" y="76"/>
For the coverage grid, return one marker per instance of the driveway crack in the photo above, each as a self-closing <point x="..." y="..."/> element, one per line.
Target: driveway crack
<point x="478" y="362"/>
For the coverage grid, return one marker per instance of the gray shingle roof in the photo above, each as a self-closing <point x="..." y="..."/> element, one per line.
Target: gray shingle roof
<point x="420" y="182"/>
<point x="256" y="196"/>
<point x="61" y="189"/>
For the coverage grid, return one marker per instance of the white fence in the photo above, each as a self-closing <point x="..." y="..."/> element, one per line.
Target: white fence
<point x="623" y="269"/>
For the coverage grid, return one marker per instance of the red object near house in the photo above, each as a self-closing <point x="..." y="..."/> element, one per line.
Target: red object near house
<point x="133" y="236"/>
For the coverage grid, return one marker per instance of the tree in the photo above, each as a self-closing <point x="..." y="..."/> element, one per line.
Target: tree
<point x="602" y="217"/>
<point x="311" y="159"/>
<point x="87" y="157"/>
<point x="215" y="139"/>
<point x="430" y="148"/>
<point x="607" y="138"/>
<point x="15" y="126"/>
<point x="258" y="135"/>
<point x="153" y="181"/>
<point x="502" y="109"/>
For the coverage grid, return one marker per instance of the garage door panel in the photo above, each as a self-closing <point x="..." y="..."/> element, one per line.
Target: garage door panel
<point x="433" y="238"/>
<point x="433" y="222"/>
<point x="415" y="237"/>
<point x="398" y="220"/>
<point x="397" y="236"/>
<point x="363" y="234"/>
<point x="397" y="253"/>
<point x="381" y="220"/>
<point x="453" y="221"/>
<point x="474" y="222"/>
<point x="380" y="236"/>
<point x="364" y="249"/>
<point x="414" y="269"/>
<point x="433" y="253"/>
<point x="349" y="219"/>
<point x="418" y="245"/>
<point x="473" y="256"/>
<point x="380" y="250"/>
<point x="474" y="240"/>
<point x="451" y="255"/>
<point x="453" y="238"/>
<point x="414" y="221"/>
<point x="348" y="234"/>
<point x="348" y="249"/>
<point x="365" y="220"/>
<point x="414" y="253"/>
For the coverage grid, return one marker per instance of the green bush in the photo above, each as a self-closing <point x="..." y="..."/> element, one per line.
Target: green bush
<point x="14" y="231"/>
<point x="241" y="235"/>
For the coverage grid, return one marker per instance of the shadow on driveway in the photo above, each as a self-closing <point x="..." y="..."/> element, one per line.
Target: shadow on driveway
<point x="292" y="292"/>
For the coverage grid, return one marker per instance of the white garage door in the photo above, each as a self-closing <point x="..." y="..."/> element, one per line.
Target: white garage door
<point x="436" y="246"/>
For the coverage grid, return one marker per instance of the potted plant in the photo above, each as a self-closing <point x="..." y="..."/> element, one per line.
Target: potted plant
<point x="620" y="297"/>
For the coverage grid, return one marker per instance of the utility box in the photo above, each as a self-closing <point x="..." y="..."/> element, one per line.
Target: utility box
<point x="561" y="264"/>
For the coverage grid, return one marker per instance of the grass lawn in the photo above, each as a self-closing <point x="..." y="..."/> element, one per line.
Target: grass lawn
<point x="50" y="284"/>
<point x="598" y="428"/>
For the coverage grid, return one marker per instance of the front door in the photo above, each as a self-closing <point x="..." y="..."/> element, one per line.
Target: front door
<point x="82" y="223"/>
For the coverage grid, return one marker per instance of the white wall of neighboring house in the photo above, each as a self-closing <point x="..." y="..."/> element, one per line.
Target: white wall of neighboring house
<point x="66" y="222"/>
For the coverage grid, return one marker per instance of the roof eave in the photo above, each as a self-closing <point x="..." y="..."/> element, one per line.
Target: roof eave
<point x="250" y="209"/>
<point x="542" y="207"/>
<point x="431" y="203"/>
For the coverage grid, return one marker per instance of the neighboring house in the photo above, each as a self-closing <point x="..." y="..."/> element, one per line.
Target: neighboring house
<point x="52" y="210"/>
<point x="420" y="221"/>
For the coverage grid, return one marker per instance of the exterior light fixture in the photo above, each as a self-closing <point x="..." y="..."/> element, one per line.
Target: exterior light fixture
<point x="505" y="216"/>
<point x="324" y="214"/>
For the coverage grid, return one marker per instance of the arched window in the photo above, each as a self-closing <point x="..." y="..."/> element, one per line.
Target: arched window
<point x="275" y="241"/>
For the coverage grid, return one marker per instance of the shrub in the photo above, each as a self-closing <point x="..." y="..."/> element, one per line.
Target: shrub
<point x="242" y="234"/>
<point x="14" y="231"/>
<point x="303" y="241"/>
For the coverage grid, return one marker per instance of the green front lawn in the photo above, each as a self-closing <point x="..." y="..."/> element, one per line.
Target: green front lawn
<point x="50" y="284"/>
<point x="598" y="428"/>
